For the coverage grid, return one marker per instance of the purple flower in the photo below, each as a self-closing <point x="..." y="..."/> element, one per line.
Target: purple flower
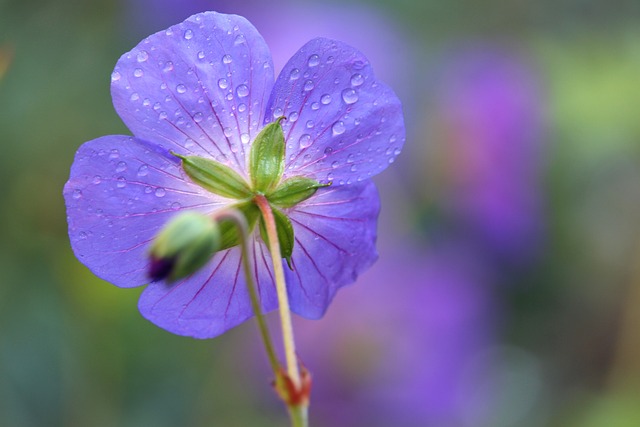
<point x="206" y="88"/>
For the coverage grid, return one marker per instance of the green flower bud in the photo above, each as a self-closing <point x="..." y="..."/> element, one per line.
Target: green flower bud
<point x="183" y="246"/>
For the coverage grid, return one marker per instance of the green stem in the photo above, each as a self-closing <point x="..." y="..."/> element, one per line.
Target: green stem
<point x="281" y="289"/>
<point x="241" y="223"/>
<point x="299" y="416"/>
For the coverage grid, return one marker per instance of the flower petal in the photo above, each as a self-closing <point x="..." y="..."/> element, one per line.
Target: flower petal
<point x="119" y="194"/>
<point x="342" y="124"/>
<point x="335" y="235"/>
<point x="198" y="88"/>
<point x="212" y="300"/>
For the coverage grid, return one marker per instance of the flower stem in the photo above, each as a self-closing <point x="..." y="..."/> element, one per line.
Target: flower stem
<point x="241" y="223"/>
<point x="281" y="289"/>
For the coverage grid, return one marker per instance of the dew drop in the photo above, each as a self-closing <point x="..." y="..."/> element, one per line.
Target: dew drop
<point x="277" y="112"/>
<point x="197" y="117"/>
<point x="227" y="59"/>
<point x="143" y="170"/>
<point x="201" y="55"/>
<point x="242" y="108"/>
<point x="229" y="97"/>
<point x="244" y="138"/>
<point x="115" y="76"/>
<point x="328" y="150"/>
<point x="330" y="176"/>
<point x="138" y="72"/>
<point x="121" y="182"/>
<point x="181" y="88"/>
<point x="228" y="132"/>
<point x="160" y="192"/>
<point x="309" y="85"/>
<point x="313" y="61"/>
<point x="335" y="164"/>
<point x="162" y="115"/>
<point x="310" y="124"/>
<point x="294" y="75"/>
<point x="350" y="158"/>
<point x="189" y="143"/>
<point x="242" y="91"/>
<point x="77" y="194"/>
<point x="175" y="205"/>
<point x="315" y="105"/>
<point x="338" y="128"/>
<point x="97" y="179"/>
<point x="114" y="154"/>
<point x="121" y="167"/>
<point x="188" y="34"/>
<point x="239" y="39"/>
<point x="357" y="79"/>
<point x="349" y="96"/>
<point x="325" y="99"/>
<point x="83" y="235"/>
<point x="305" y="140"/>
<point x="134" y="96"/>
<point x="223" y="83"/>
<point x="168" y="66"/>
<point x="142" y="56"/>
<point x="293" y="117"/>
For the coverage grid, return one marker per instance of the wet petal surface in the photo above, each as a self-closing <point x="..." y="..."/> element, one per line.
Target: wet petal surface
<point x="335" y="234"/>
<point x="342" y="124"/>
<point x="212" y="300"/>
<point x="119" y="195"/>
<point x="198" y="88"/>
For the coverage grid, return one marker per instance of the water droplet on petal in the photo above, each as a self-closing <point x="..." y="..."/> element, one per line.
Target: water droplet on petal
<point x="223" y="83"/>
<point x="77" y="194"/>
<point x="242" y="108"/>
<point x="239" y="39"/>
<point x="143" y="170"/>
<point x="168" y="66"/>
<point x="142" y="56"/>
<point x="134" y="96"/>
<point x="309" y="85"/>
<point x="188" y="34"/>
<point x="338" y="128"/>
<point x="228" y="132"/>
<point x="335" y="164"/>
<point x="197" y="117"/>
<point x="295" y="74"/>
<point x="162" y="115"/>
<point x="357" y="79"/>
<point x="201" y="55"/>
<point x="114" y="154"/>
<point x="293" y="117"/>
<point x="121" y="167"/>
<point x="315" y="105"/>
<point x="325" y="99"/>
<point x="160" y="192"/>
<point x="121" y="182"/>
<point x="97" y="179"/>
<point x="330" y="176"/>
<point x="138" y="72"/>
<point x="349" y="96"/>
<point x="277" y="112"/>
<point x="115" y="76"/>
<point x="350" y="158"/>
<point x="226" y="59"/>
<point x="175" y="205"/>
<point x="310" y="124"/>
<point x="305" y="140"/>
<point x="244" y="138"/>
<point x="328" y="150"/>
<point x="242" y="91"/>
<point x="181" y="88"/>
<point x="314" y="60"/>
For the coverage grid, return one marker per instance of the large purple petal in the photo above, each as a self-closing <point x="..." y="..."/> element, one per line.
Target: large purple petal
<point x="200" y="87"/>
<point x="212" y="300"/>
<point x="335" y="235"/>
<point x="343" y="125"/>
<point x="119" y="194"/>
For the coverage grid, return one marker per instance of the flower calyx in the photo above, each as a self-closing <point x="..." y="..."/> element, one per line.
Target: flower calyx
<point x="291" y="393"/>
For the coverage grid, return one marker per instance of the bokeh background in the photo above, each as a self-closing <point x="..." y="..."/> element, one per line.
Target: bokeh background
<point x="508" y="287"/>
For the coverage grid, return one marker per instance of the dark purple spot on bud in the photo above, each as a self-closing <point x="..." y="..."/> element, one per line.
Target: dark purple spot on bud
<point x="160" y="268"/>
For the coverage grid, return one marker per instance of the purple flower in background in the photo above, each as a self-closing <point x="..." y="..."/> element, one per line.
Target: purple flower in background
<point x="401" y="349"/>
<point x="206" y="88"/>
<point x="491" y="106"/>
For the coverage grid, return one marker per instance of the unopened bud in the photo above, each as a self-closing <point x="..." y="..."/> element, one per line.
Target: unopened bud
<point x="183" y="246"/>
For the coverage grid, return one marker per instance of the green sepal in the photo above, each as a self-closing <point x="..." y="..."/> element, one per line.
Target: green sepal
<point x="266" y="161"/>
<point x="183" y="246"/>
<point x="215" y="177"/>
<point x="284" y="229"/>
<point x="228" y="229"/>
<point x="294" y="190"/>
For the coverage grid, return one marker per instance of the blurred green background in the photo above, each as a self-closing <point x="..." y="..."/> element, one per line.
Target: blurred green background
<point x="544" y="330"/>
